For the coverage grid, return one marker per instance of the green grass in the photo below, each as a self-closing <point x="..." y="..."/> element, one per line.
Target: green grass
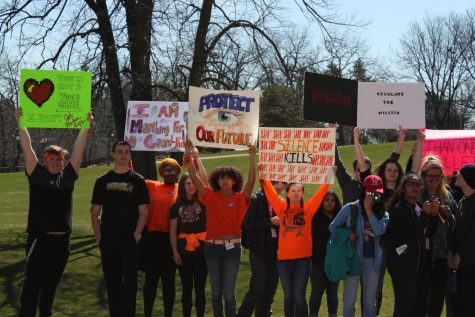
<point x="82" y="290"/>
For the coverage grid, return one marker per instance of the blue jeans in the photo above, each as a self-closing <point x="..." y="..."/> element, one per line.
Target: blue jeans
<point x="320" y="283"/>
<point x="223" y="267"/>
<point x="370" y="278"/>
<point x="294" y="277"/>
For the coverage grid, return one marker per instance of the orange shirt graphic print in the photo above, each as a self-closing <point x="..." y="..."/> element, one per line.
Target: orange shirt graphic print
<point x="293" y="221"/>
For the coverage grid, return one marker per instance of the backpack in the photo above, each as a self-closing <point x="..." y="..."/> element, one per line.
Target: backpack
<point x="342" y="258"/>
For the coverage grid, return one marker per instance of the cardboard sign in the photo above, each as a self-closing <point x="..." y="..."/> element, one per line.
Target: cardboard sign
<point x="156" y="125"/>
<point x="54" y="99"/>
<point x="297" y="155"/>
<point x="388" y="106"/>
<point x="223" y="118"/>
<point x="454" y="148"/>
<point x="330" y="99"/>
<point x="363" y="104"/>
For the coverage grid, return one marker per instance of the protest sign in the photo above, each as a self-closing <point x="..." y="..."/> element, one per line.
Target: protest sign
<point x="454" y="148"/>
<point x="54" y="99"/>
<point x="363" y="104"/>
<point x="223" y="118"/>
<point x="156" y="125"/>
<point x="297" y="155"/>
<point x="330" y="99"/>
<point x="388" y="106"/>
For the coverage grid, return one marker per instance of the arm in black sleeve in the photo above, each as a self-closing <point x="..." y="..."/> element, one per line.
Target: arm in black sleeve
<point x="341" y="174"/>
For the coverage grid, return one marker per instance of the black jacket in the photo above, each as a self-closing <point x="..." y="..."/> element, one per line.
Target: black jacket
<point x="406" y="227"/>
<point x="256" y="226"/>
<point x="462" y="238"/>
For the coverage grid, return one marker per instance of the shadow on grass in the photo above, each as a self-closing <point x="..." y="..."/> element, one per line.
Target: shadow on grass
<point x="81" y="283"/>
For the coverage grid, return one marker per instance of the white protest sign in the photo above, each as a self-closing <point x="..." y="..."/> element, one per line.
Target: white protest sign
<point x="156" y="125"/>
<point x="223" y="118"/>
<point x="388" y="106"/>
<point x="297" y="155"/>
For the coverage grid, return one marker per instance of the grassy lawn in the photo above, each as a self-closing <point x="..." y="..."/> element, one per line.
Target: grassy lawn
<point x="82" y="290"/>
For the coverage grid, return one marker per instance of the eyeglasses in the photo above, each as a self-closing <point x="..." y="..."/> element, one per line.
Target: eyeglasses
<point x="413" y="184"/>
<point x="438" y="176"/>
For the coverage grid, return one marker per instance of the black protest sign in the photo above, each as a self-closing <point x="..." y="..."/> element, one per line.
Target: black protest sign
<point x="330" y="99"/>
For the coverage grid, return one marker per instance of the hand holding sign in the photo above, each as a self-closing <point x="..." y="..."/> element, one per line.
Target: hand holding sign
<point x="54" y="99"/>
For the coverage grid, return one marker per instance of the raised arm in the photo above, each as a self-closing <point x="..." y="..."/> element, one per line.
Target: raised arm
<point x="251" y="178"/>
<point x="359" y="151"/>
<point x="399" y="144"/>
<point x="25" y="142"/>
<point x="317" y="198"/>
<point x="199" y="166"/>
<point x="79" y="145"/>
<point x="277" y="203"/>
<point x="200" y="187"/>
<point x="417" y="158"/>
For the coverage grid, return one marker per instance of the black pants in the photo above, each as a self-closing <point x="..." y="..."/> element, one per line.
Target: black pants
<point x="262" y="286"/>
<point x="409" y="292"/>
<point x="193" y="272"/>
<point x="46" y="258"/>
<point x="158" y="264"/>
<point x="119" y="265"/>
<point x="437" y="287"/>
<point x="465" y="299"/>
<point x="321" y="284"/>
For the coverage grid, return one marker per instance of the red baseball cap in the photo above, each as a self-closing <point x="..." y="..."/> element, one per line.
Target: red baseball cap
<point x="373" y="183"/>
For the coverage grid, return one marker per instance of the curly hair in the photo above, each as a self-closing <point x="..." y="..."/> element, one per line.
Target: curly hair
<point x="230" y="171"/>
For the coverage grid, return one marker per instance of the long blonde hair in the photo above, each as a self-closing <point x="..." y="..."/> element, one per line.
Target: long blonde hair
<point x="433" y="162"/>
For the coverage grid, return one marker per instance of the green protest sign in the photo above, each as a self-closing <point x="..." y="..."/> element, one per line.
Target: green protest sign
<point x="54" y="99"/>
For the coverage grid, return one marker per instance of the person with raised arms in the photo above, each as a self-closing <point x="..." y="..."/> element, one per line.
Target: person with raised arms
<point x="226" y="201"/>
<point x="294" y="255"/>
<point x="49" y="218"/>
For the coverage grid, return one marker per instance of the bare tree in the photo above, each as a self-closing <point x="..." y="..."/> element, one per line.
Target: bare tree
<point x="432" y="52"/>
<point x="118" y="43"/>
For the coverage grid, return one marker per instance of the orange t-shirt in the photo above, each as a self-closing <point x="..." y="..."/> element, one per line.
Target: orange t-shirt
<point x="295" y="233"/>
<point x="223" y="215"/>
<point x="162" y="197"/>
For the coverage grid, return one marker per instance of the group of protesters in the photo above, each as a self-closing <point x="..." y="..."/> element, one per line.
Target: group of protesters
<point x="411" y="222"/>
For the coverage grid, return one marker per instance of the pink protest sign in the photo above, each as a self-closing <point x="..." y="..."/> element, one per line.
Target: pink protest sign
<point x="455" y="148"/>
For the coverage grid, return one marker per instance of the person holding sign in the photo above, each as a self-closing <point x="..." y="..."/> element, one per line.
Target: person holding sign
<point x="118" y="214"/>
<point x="351" y="187"/>
<point x="49" y="218"/>
<point x="226" y="203"/>
<point x="260" y="234"/>
<point x="294" y="255"/>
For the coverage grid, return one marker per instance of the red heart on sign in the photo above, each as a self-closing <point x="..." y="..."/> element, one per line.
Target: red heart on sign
<point x="38" y="92"/>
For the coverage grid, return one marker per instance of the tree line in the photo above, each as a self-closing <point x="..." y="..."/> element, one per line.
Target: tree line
<point x="150" y="50"/>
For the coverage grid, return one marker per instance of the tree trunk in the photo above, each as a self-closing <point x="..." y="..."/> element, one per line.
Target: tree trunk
<point x="139" y="26"/>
